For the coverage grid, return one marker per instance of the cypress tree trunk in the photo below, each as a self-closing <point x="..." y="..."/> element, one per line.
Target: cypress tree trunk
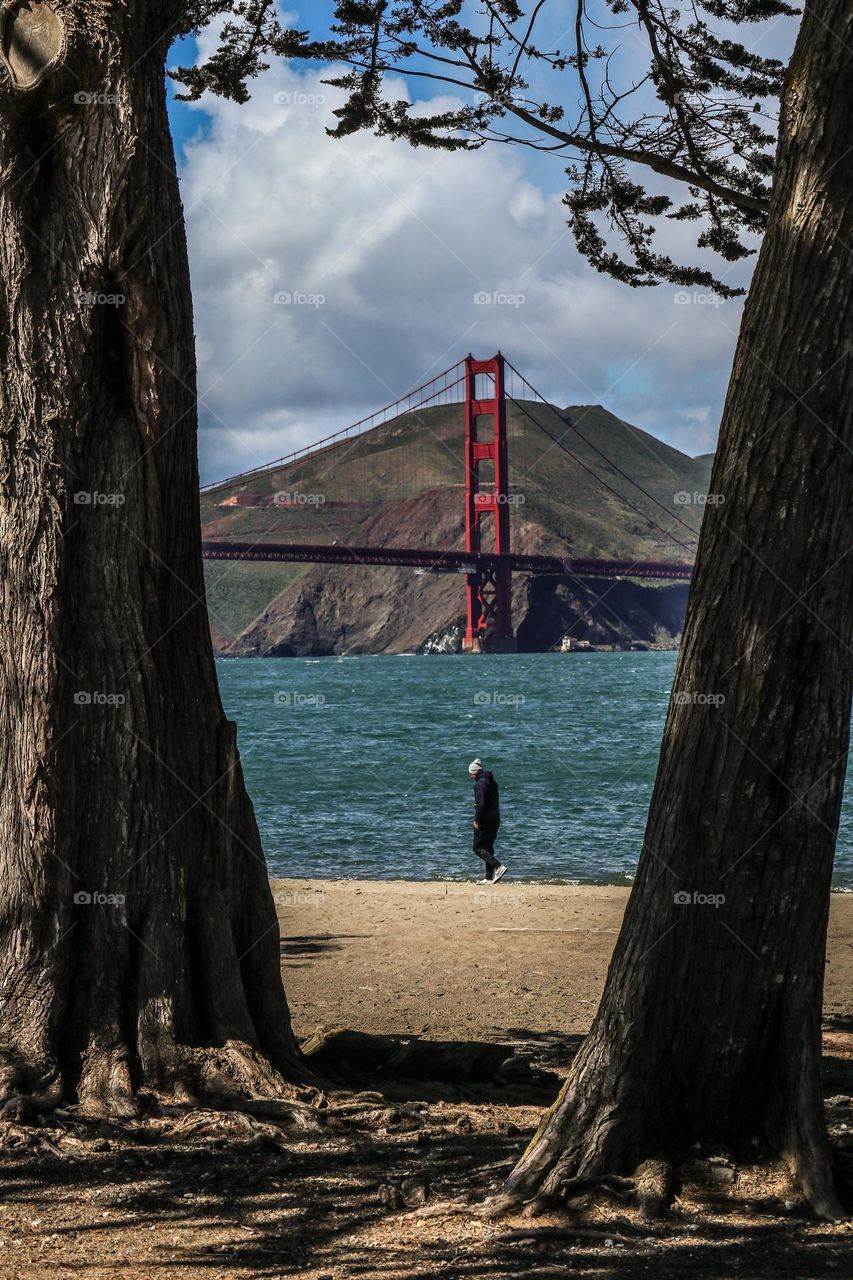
<point x="709" y="1026"/>
<point x="120" y="776"/>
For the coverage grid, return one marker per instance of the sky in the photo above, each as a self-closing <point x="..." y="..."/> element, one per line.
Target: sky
<point x="386" y="253"/>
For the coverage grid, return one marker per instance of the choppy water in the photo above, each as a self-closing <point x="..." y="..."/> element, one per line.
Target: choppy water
<point x="358" y="766"/>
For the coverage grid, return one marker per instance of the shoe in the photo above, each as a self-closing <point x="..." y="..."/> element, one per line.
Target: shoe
<point x="499" y="871"/>
<point x="485" y="881"/>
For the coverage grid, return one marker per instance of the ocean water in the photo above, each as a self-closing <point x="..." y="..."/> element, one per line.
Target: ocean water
<point x="357" y="767"/>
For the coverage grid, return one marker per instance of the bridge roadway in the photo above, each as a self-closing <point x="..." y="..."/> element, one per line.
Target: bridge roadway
<point x="443" y="561"/>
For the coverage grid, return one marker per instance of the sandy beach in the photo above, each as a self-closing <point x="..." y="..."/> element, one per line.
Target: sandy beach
<point x="451" y="959"/>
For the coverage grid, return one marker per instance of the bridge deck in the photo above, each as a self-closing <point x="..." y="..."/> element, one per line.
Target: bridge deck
<point x="447" y="561"/>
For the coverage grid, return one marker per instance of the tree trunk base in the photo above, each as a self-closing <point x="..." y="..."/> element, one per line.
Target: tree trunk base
<point x="231" y="1077"/>
<point x="822" y="1189"/>
<point x="586" y="1143"/>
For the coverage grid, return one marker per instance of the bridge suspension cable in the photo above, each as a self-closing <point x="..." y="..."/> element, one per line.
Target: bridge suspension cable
<point x="447" y="387"/>
<point x="572" y="427"/>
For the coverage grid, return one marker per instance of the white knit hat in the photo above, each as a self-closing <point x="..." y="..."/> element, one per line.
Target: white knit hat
<point x="476" y="766"/>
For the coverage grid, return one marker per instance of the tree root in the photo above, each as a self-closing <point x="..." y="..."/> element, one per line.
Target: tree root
<point x="26" y="1087"/>
<point x="28" y="1106"/>
<point x="569" y="1188"/>
<point x="441" y="1208"/>
<point x="299" y="1114"/>
<point x="33" y="1140"/>
<point x="565" y="1189"/>
<point x="543" y="1234"/>
<point x="650" y="1188"/>
<point x="653" y="1188"/>
<point x="238" y="1070"/>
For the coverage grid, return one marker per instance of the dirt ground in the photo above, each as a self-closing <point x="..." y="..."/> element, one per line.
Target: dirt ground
<point x="464" y="1014"/>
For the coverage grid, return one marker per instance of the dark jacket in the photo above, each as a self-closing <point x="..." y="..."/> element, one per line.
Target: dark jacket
<point x="487" y="805"/>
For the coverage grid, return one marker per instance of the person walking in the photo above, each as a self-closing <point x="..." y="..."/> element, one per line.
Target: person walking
<point x="487" y="819"/>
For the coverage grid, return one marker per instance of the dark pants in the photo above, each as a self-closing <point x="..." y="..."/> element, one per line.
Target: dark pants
<point x="484" y="844"/>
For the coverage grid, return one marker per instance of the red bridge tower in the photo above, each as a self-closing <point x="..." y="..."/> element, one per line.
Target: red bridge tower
<point x="489" y="626"/>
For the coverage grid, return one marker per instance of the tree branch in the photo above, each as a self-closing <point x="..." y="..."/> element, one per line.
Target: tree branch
<point x="659" y="164"/>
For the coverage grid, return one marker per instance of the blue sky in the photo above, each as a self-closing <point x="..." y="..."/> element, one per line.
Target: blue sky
<point x="187" y="120"/>
<point x="399" y="244"/>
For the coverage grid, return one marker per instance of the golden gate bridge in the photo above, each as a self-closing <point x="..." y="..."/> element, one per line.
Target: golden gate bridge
<point x="381" y="458"/>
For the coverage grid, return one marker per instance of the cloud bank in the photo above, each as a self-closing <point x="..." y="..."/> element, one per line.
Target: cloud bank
<point x="330" y="277"/>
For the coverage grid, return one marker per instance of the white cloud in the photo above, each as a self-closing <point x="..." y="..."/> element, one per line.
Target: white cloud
<point x="398" y="242"/>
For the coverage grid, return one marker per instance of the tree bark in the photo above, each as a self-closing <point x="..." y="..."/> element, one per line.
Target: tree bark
<point x="120" y="775"/>
<point x="709" y="1026"/>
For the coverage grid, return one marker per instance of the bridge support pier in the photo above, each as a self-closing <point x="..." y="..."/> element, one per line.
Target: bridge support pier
<point x="489" y="591"/>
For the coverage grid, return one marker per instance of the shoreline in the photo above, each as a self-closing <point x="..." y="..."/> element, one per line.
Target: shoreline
<point x="581" y="883"/>
<point x="461" y="960"/>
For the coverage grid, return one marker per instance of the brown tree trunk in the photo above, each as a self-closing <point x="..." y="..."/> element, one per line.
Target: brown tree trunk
<point x="709" y="1026"/>
<point x="120" y="774"/>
